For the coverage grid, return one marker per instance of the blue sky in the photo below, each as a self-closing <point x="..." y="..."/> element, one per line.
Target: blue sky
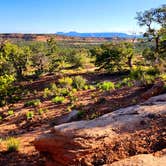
<point x="50" y="16"/>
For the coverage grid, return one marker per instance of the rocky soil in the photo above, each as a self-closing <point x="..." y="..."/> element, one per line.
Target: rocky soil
<point x="148" y="138"/>
<point x="138" y="131"/>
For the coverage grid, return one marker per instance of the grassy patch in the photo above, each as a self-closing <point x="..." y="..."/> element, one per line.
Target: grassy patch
<point x="58" y="99"/>
<point x="12" y="144"/>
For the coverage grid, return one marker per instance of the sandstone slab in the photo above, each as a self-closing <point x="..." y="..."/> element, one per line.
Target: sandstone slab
<point x="80" y="143"/>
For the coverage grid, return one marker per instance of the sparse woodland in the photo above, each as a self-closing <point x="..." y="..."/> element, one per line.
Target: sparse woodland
<point x="41" y="81"/>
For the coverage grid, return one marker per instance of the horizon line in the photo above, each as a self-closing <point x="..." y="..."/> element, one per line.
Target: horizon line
<point x="54" y="33"/>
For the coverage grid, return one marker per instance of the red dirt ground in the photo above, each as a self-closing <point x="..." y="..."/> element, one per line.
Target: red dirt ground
<point x="27" y="130"/>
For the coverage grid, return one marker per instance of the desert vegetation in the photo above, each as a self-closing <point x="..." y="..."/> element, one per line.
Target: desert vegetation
<point x="41" y="81"/>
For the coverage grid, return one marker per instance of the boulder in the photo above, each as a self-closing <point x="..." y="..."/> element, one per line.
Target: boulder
<point x="142" y="160"/>
<point x="68" y="117"/>
<point x="90" y="142"/>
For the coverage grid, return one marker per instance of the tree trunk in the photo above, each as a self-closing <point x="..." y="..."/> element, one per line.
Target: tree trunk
<point x="157" y="44"/>
<point x="157" y="50"/>
<point x="129" y="62"/>
<point x="19" y="73"/>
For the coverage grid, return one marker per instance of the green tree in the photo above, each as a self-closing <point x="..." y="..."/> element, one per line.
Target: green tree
<point x="79" y="58"/>
<point x="6" y="82"/>
<point x="39" y="59"/>
<point x="128" y="52"/>
<point x="150" y="19"/>
<point x="52" y="46"/>
<point x="16" y="57"/>
<point x="114" y="56"/>
<point x="54" y="55"/>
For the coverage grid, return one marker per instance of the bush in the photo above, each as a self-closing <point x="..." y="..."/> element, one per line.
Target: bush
<point x="10" y="112"/>
<point x="30" y="114"/>
<point x="54" y="89"/>
<point x="58" y="99"/>
<point x="153" y="72"/>
<point x="32" y="103"/>
<point x="73" y="99"/>
<point x="64" y="92"/>
<point x="6" y="89"/>
<point x="91" y="87"/>
<point x="106" y="86"/>
<point x="74" y="90"/>
<point x="65" y="82"/>
<point x="79" y="82"/>
<point x="40" y="111"/>
<point x="12" y="144"/>
<point x="15" y="98"/>
<point x="93" y="116"/>
<point x="80" y="58"/>
<point x="86" y="87"/>
<point x="136" y="74"/>
<point x="145" y="77"/>
<point x="101" y="100"/>
<point x="125" y="82"/>
<point x="81" y="113"/>
<point x="113" y="56"/>
<point x="163" y="77"/>
<point x="47" y="92"/>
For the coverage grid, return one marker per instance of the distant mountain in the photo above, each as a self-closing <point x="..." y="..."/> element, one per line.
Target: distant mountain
<point x="102" y="34"/>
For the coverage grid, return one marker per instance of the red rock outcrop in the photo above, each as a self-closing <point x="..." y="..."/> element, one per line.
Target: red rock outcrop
<point x="142" y="160"/>
<point x="109" y="138"/>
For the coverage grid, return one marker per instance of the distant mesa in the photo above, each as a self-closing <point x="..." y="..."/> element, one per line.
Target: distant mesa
<point x="98" y="35"/>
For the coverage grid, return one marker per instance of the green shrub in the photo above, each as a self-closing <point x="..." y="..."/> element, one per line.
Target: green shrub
<point x="81" y="114"/>
<point x="47" y="93"/>
<point x="125" y="82"/>
<point x="30" y="115"/>
<point x="54" y="89"/>
<point x="41" y="111"/>
<point x="91" y="87"/>
<point x="58" y="99"/>
<point x="73" y="99"/>
<point x="86" y="87"/>
<point x="6" y="88"/>
<point x="152" y="72"/>
<point x="68" y="109"/>
<point x="65" y="82"/>
<point x="64" y="92"/>
<point x="106" y="86"/>
<point x="15" y="98"/>
<point x="80" y="59"/>
<point x="101" y="100"/>
<point x="74" y="90"/>
<point x="118" y="85"/>
<point x="136" y="73"/>
<point x="93" y="116"/>
<point x="35" y="103"/>
<point x="163" y="77"/>
<point x="10" y="112"/>
<point x="12" y="144"/>
<point x="79" y="82"/>
<point x="145" y="77"/>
